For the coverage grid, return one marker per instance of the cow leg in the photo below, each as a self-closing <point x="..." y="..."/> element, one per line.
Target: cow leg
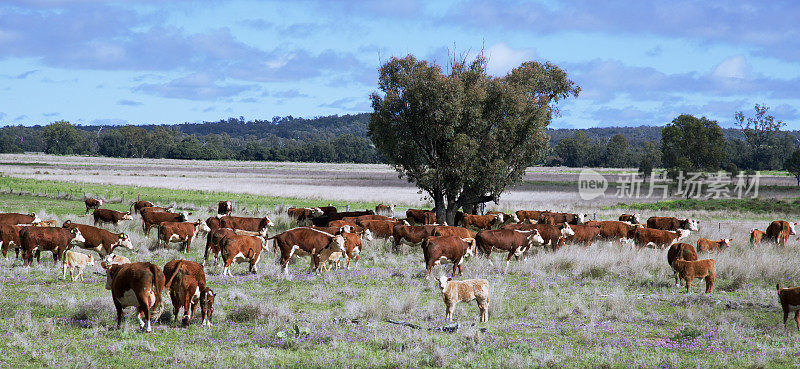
<point x="64" y="275"/>
<point x="429" y="267"/>
<point x="709" y="284"/>
<point x="455" y="266"/>
<point x="786" y="316"/>
<point x="80" y="274"/>
<point x="449" y="312"/>
<point x="187" y="308"/>
<point x="118" y="305"/>
<point x="797" y="319"/>
<point x="688" y="285"/>
<point x="176" y="303"/>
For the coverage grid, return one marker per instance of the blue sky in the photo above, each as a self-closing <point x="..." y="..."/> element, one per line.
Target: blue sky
<point x="143" y="62"/>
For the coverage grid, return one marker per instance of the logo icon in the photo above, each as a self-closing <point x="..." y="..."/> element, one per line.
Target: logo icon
<point x="591" y="184"/>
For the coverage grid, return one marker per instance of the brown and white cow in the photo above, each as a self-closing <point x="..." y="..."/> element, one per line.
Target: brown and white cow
<point x="706" y="245"/>
<point x="549" y="217"/>
<point x="247" y="224"/>
<point x="224" y="208"/>
<point x="213" y="224"/>
<point x="630" y="218"/>
<point x="789" y="299"/>
<point x="507" y="218"/>
<point x="242" y="249"/>
<point x="421" y="216"/>
<point x="186" y="281"/>
<point x="74" y="260"/>
<point x="459" y="232"/>
<point x="779" y="231"/>
<point x="483" y="221"/>
<point x="110" y="216"/>
<point x="756" y="235"/>
<point x="672" y="223"/>
<point x="382" y="209"/>
<point x="152" y="217"/>
<point x="529" y="216"/>
<point x="92" y="204"/>
<point x="100" y="240"/>
<point x="17" y="218"/>
<point x="353" y="248"/>
<point x="515" y="243"/>
<point x="9" y="238"/>
<point x="410" y="235"/>
<point x="137" y="206"/>
<point x="614" y="231"/>
<point x="584" y="233"/>
<point x="657" y="238"/>
<point x="553" y="235"/>
<point x="351" y="227"/>
<point x="307" y="241"/>
<point x="699" y="269"/>
<point x="34" y="240"/>
<point x="214" y="244"/>
<point x="379" y="228"/>
<point x="117" y="259"/>
<point x="183" y="232"/>
<point x="677" y="251"/>
<point x="136" y="284"/>
<point x="436" y="249"/>
<point x="302" y="214"/>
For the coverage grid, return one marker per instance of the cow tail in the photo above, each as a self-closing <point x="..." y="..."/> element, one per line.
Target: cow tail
<point x="778" y="287"/>
<point x="158" y="283"/>
<point x="177" y="268"/>
<point x="250" y="253"/>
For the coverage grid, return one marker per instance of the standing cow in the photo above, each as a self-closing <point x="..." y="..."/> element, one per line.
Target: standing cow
<point x="110" y="216"/>
<point x="92" y="204"/>
<point x="57" y="240"/>
<point x="306" y="241"/>
<point x="17" y="218"/>
<point x="779" y="231"/>
<point x="183" y="232"/>
<point x="224" y="208"/>
<point x="136" y="284"/>
<point x="436" y="249"/>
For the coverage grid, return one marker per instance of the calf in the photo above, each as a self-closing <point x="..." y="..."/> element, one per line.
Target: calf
<point x="648" y="237"/>
<point x="306" y="241"/>
<point x="213" y="223"/>
<point x="152" y="218"/>
<point x="17" y="218"/>
<point x="100" y="240"/>
<point x="242" y="249"/>
<point x="137" y="206"/>
<point x="352" y="247"/>
<point x="677" y="251"/>
<point x="74" y="260"/>
<point x="382" y="209"/>
<point x="224" y="208"/>
<point x="672" y="224"/>
<point x="630" y="218"/>
<point x="585" y="234"/>
<point x="699" y="269"/>
<point x="247" y="224"/>
<point x="411" y="235"/>
<point x="47" y="223"/>
<point x="352" y="227"/>
<point x="57" y="240"/>
<point x="459" y="232"/>
<point x="436" y="249"/>
<point x="335" y="260"/>
<point x="110" y="216"/>
<point x="755" y="237"/>
<point x="184" y="232"/>
<point x="136" y="284"/>
<point x="779" y="231"/>
<point x="186" y="281"/>
<point x="790" y="301"/>
<point x="92" y="204"/>
<point x="515" y="243"/>
<point x="706" y="245"/>
<point x="467" y="290"/>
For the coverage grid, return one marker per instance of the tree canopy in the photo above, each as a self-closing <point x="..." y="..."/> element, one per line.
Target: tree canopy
<point x="461" y="135"/>
<point x="692" y="143"/>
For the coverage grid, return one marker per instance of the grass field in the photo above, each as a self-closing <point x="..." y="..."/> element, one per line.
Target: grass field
<point x="602" y="306"/>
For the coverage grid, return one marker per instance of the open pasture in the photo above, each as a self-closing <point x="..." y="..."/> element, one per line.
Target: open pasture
<point x="576" y="307"/>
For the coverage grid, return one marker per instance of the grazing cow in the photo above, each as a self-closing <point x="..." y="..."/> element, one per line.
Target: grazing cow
<point x="110" y="216"/>
<point x="552" y="235"/>
<point x="242" y="249"/>
<point x="9" y="238"/>
<point x="410" y="235"/>
<point x="382" y="209"/>
<point x="755" y="237"/>
<point x="529" y="216"/>
<point x="184" y="232"/>
<point x="379" y="228"/>
<point x="302" y="214"/>
<point x="699" y="269"/>
<point x="136" y="284"/>
<point x="557" y="218"/>
<point x="17" y="218"/>
<point x="672" y="223"/>
<point x="677" y="251"/>
<point x="421" y="216"/>
<point x="74" y="260"/>
<point x="137" y="206"/>
<point x="436" y="249"/>
<point x="706" y="245"/>
<point x="327" y="210"/>
<point x="585" y="234"/>
<point x="247" y="224"/>
<point x="224" y="208"/>
<point x="515" y="243"/>
<point x="483" y="221"/>
<point x="186" y="281"/>
<point x="350" y="226"/>
<point x="34" y="240"/>
<point x="656" y="238"/>
<point x="789" y="298"/>
<point x="467" y="290"/>
<point x="92" y="204"/>
<point x="152" y="218"/>
<point x="459" y="232"/>
<point x="306" y="241"/>
<point x="779" y="231"/>
<point x="214" y="243"/>
<point x="630" y="218"/>
<point x="613" y="230"/>
<point x="100" y="240"/>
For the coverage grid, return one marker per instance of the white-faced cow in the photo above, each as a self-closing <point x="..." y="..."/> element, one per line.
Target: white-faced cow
<point x="436" y="249"/>
<point x="110" y="216"/>
<point x="152" y="217"/>
<point x="247" y="224"/>
<point x="224" y="208"/>
<point x="17" y="218"/>
<point x="56" y="240"/>
<point x="183" y="232"/>
<point x="136" y="284"/>
<point x="672" y="223"/>
<point x="100" y="240"/>
<point x="242" y="249"/>
<point x="515" y="243"/>
<point x="779" y="231"/>
<point x="307" y="241"/>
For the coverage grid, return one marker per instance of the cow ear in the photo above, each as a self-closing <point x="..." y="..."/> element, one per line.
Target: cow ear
<point x="449" y="279"/>
<point x="123" y="236"/>
<point x="105" y="265"/>
<point x="74" y="230"/>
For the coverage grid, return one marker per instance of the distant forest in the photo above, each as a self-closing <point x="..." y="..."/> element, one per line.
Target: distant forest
<point x="343" y="139"/>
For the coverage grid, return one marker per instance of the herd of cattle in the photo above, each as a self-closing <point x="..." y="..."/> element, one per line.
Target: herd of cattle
<point x="327" y="236"/>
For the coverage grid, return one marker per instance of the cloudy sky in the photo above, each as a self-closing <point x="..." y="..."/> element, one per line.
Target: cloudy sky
<point x="638" y="62"/>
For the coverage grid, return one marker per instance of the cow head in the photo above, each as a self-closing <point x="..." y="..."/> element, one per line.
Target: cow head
<point x="317" y="212"/>
<point x="126" y="215"/>
<point x="567" y="231"/>
<point x="501" y="218"/>
<point x="791" y="228"/>
<point x="443" y="282"/>
<point x="535" y="238"/>
<point x="124" y="241"/>
<point x="725" y="243"/>
<point x="581" y="218"/>
<point x="207" y="298"/>
<point x="201" y="226"/>
<point x="368" y="235"/>
<point x="346" y="229"/>
<point x="514" y="218"/>
<point x="472" y="245"/>
<point x="690" y="224"/>
<point x="36" y="218"/>
<point x="337" y="244"/>
<point x="66" y="224"/>
<point x="77" y="237"/>
<point x="682" y="233"/>
<point x="637" y="219"/>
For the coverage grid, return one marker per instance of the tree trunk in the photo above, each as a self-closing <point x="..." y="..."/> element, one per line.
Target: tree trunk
<point x="439" y="207"/>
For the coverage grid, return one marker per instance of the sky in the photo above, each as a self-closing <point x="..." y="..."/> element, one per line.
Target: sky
<point x="164" y="62"/>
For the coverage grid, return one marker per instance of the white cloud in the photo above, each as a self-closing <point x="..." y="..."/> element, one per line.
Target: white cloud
<point x="735" y="67"/>
<point x="503" y="58"/>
